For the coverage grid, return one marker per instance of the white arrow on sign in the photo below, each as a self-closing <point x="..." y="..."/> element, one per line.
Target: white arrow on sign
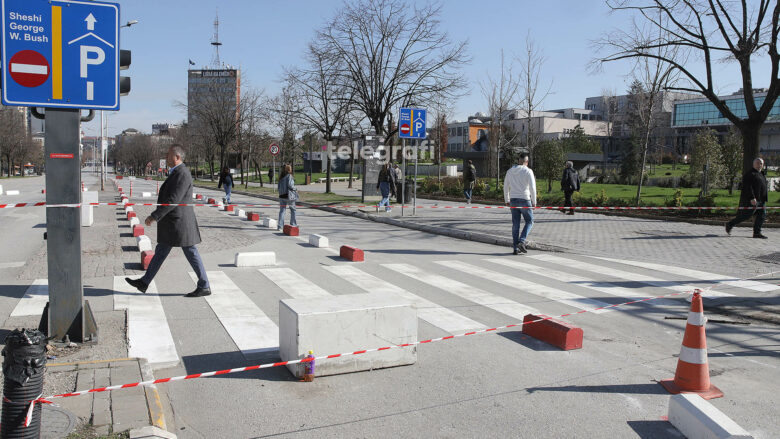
<point x="91" y="20"/>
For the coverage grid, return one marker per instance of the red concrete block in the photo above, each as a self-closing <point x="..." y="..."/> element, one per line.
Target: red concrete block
<point x="138" y="230"/>
<point x="146" y="258"/>
<point x="351" y="253"/>
<point x="199" y="196"/>
<point x="212" y="201"/>
<point x="43" y="191"/>
<point x="555" y="332"/>
<point x="148" y="178"/>
<point x="252" y="216"/>
<point x="230" y="208"/>
<point x="291" y="230"/>
<point x="119" y="177"/>
<point x="131" y="215"/>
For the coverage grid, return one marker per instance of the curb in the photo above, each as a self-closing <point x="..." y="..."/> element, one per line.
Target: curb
<point x="458" y="234"/>
<point x="153" y="403"/>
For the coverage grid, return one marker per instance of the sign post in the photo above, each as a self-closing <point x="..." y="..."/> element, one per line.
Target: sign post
<point x="274" y="150"/>
<point x="411" y="125"/>
<point x="63" y="56"/>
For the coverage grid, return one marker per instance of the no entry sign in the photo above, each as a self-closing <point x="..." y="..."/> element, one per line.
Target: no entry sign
<point x="29" y="68"/>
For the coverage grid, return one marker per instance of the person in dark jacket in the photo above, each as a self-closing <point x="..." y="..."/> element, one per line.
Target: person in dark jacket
<point x="752" y="199"/>
<point x="226" y="179"/>
<point x="469" y="178"/>
<point x="386" y="186"/>
<point x="177" y="226"/>
<point x="271" y="175"/>
<point x="288" y="195"/>
<point x="570" y="183"/>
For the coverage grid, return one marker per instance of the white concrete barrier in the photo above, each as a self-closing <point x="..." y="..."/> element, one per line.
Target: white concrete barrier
<point x="143" y="243"/>
<point x="270" y="223"/>
<point x="132" y="178"/>
<point x="697" y="418"/>
<point x="255" y="259"/>
<point x="146" y="194"/>
<point x="345" y="324"/>
<point x="318" y="240"/>
<point x="1" y="189"/>
<point x="87" y="215"/>
<point x="134" y="221"/>
<point x="194" y="196"/>
<point x="128" y="209"/>
<point x="241" y="213"/>
<point x="124" y="201"/>
<point x="12" y="192"/>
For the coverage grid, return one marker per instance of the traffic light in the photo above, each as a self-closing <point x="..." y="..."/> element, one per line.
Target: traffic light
<point x="124" y="63"/>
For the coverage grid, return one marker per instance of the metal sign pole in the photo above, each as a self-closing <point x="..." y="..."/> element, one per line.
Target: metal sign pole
<point x="416" y="153"/>
<point x="403" y="176"/>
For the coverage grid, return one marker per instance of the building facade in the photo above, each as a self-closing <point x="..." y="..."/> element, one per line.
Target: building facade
<point x="212" y="87"/>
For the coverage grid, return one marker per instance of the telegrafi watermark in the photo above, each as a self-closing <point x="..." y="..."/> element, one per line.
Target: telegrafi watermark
<point x="382" y="153"/>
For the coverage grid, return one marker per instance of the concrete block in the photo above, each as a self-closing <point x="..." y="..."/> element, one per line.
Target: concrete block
<point x="119" y="177"/>
<point x="146" y="258"/>
<point x="12" y="192"/>
<point x="554" y="332"/>
<point x="200" y="196"/>
<point x="697" y="418"/>
<point x="194" y="196"/>
<point x="132" y="178"/>
<point x="138" y="230"/>
<point x="255" y="259"/>
<point x="253" y="216"/>
<point x="351" y="253"/>
<point x="270" y="223"/>
<point x="241" y="213"/>
<point x="318" y="240"/>
<point x="291" y="230"/>
<point x="146" y="194"/>
<point x="129" y="209"/>
<point x="148" y="178"/>
<point x="144" y="243"/>
<point x="230" y="208"/>
<point x="345" y="324"/>
<point x="124" y="201"/>
<point x="134" y="221"/>
<point x="43" y="191"/>
<point x="151" y="432"/>
<point x="211" y="201"/>
<point x="1" y="189"/>
<point x="131" y="215"/>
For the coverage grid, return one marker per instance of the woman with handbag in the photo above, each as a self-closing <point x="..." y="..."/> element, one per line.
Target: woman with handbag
<point x="288" y="195"/>
<point x="386" y="186"/>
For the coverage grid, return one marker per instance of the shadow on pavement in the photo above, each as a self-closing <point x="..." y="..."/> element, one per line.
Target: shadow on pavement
<point x="529" y="342"/>
<point x="644" y="389"/>
<point x="654" y="429"/>
<point x="234" y="360"/>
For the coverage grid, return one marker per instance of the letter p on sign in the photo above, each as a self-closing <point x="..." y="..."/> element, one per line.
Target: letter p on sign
<point x="87" y="61"/>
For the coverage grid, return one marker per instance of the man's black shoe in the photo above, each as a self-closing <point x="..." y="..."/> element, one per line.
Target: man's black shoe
<point x="523" y="248"/>
<point x="199" y="292"/>
<point x="514" y="251"/>
<point x="728" y="228"/>
<point x="759" y="236"/>
<point x="138" y="284"/>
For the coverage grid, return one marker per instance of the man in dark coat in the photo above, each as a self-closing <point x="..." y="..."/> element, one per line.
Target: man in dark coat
<point x="752" y="200"/>
<point x="570" y="183"/>
<point x="177" y="225"/>
<point x="469" y="179"/>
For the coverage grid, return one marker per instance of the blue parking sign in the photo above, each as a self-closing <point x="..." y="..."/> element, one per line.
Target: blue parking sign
<point x="411" y="123"/>
<point x="60" y="53"/>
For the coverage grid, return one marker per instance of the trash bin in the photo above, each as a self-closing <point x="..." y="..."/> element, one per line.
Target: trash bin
<point x="308" y="179"/>
<point x="408" y="191"/>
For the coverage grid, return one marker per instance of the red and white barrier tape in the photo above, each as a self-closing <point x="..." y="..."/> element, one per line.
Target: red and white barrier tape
<point x="371" y="206"/>
<point x="360" y="352"/>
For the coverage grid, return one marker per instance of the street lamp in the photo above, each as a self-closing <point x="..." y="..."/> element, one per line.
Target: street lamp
<point x="129" y="23"/>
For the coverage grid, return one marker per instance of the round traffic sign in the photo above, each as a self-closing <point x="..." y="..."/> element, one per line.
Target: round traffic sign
<point x="273" y="149"/>
<point x="29" y="68"/>
<point x="405" y="128"/>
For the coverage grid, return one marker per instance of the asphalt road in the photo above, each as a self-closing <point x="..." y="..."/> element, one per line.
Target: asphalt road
<point x="494" y="385"/>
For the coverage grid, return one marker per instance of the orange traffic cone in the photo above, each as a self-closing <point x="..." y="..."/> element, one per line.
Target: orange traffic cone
<point x="693" y="374"/>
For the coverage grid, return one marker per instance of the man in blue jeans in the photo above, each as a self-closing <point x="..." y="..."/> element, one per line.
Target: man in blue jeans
<point x="520" y="194"/>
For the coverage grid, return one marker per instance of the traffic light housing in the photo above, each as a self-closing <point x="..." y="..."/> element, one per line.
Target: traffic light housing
<point x="125" y="58"/>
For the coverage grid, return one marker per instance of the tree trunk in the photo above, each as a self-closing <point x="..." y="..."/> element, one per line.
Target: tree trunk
<point x="327" y="166"/>
<point x="351" y="161"/>
<point x="750" y="134"/>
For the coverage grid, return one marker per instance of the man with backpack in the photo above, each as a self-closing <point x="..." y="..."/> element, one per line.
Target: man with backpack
<point x="570" y="182"/>
<point x="469" y="179"/>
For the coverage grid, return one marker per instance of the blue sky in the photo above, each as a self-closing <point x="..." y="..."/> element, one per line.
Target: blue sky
<point x="262" y="36"/>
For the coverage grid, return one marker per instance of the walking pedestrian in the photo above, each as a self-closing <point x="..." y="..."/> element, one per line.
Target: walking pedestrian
<point x="177" y="226"/>
<point x="399" y="178"/>
<point x="271" y="175"/>
<point x="570" y="183"/>
<point x="288" y="195"/>
<point x="752" y="200"/>
<point x="469" y="179"/>
<point x="520" y="194"/>
<point x="226" y="179"/>
<point x="386" y="186"/>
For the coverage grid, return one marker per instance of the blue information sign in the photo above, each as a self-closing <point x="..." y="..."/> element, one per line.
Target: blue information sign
<point x="58" y="53"/>
<point x="411" y="123"/>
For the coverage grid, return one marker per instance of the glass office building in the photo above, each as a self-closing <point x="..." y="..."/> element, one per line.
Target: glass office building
<point x="703" y="112"/>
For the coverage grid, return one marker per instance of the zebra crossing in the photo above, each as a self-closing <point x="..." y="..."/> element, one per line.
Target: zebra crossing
<point x="510" y="286"/>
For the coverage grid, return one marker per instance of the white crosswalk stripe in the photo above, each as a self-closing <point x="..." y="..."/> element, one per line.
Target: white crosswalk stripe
<point x="629" y="276"/>
<point x="432" y="313"/>
<point x="34" y="299"/>
<point x="249" y="327"/>
<point x="702" y="276"/>
<point x="292" y="283"/>
<point x="468" y="292"/>
<point x="148" y="333"/>
<point x="582" y="281"/>
<point x="528" y="286"/>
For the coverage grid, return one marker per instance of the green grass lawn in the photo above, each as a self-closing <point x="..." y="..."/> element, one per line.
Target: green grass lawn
<point x="309" y="197"/>
<point x="661" y="171"/>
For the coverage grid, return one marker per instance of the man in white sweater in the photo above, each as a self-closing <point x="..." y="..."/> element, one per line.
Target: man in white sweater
<point x="520" y="193"/>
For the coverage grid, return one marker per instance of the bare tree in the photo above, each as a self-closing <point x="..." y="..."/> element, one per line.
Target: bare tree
<point x="248" y="114"/>
<point x="282" y="115"/>
<point x="501" y="95"/>
<point x="731" y="158"/>
<point x="395" y="54"/>
<point x="532" y="97"/>
<point x="13" y="136"/>
<point x="701" y="33"/>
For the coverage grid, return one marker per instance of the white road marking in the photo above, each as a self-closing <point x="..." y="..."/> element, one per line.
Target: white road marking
<point x="473" y="294"/>
<point x="292" y="283"/>
<point x="12" y="264"/>
<point x="586" y="282"/>
<point x="34" y="299"/>
<point x="432" y="313"/>
<point x="629" y="276"/>
<point x="249" y="327"/>
<point x="148" y="333"/>
<point x="700" y="276"/>
<point x="525" y="285"/>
